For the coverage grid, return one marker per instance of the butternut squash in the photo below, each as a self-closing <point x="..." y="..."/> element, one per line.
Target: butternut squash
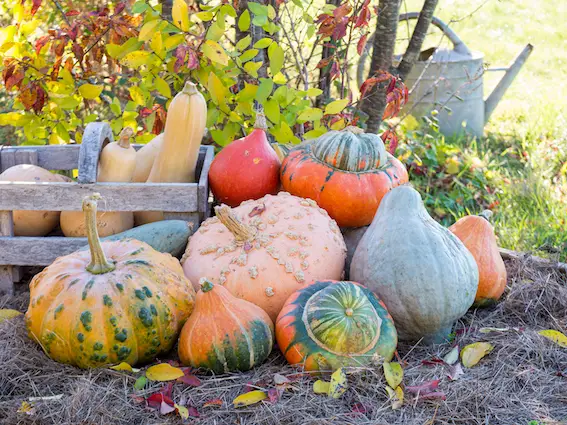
<point x="145" y="158"/>
<point x="116" y="164"/>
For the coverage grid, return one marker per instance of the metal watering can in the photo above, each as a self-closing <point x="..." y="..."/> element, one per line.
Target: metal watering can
<point x="451" y="81"/>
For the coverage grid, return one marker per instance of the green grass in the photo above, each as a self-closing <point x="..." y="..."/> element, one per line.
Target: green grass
<point x="525" y="148"/>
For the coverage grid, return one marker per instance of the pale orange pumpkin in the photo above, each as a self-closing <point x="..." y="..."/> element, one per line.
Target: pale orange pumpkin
<point x="264" y="250"/>
<point x="477" y="235"/>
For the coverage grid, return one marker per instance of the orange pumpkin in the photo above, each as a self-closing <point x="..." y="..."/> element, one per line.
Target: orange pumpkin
<point x="117" y="302"/>
<point x="225" y="334"/>
<point x="477" y="235"/>
<point x="345" y="172"/>
<point x="264" y="250"/>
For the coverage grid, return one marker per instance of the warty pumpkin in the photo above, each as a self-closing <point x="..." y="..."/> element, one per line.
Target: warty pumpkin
<point x="422" y="271"/>
<point x="247" y="168"/>
<point x="264" y="250"/>
<point x="117" y="302"/>
<point x="477" y="234"/>
<point x="224" y="333"/>
<point x="333" y="324"/>
<point x="32" y="223"/>
<point x="346" y="172"/>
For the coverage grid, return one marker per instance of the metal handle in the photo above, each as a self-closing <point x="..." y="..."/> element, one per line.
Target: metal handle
<point x="458" y="44"/>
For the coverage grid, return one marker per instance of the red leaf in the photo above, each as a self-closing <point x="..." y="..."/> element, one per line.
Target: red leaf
<point x="363" y="15"/>
<point x="342" y="11"/>
<point x="15" y="78"/>
<point x="159" y="122"/>
<point x="431" y="396"/>
<point x="119" y="8"/>
<point x="72" y="13"/>
<point x="35" y="6"/>
<point x="28" y="96"/>
<point x="193" y="412"/>
<point x="391" y="86"/>
<point x="390" y="139"/>
<point x="257" y="210"/>
<point x="78" y="51"/>
<point x="360" y="408"/>
<point x="324" y="62"/>
<point x="424" y="388"/>
<point x="340" y="29"/>
<point x="274" y="395"/>
<point x="180" y="54"/>
<point x="434" y="361"/>
<point x="73" y="31"/>
<point x="192" y="60"/>
<point x="249" y="386"/>
<point x="40" y="101"/>
<point x="40" y="42"/>
<point x="157" y="400"/>
<point x="335" y="70"/>
<point x="361" y="44"/>
<point x="138" y="399"/>
<point x="167" y="389"/>
<point x="145" y="112"/>
<point x="190" y="380"/>
<point x="217" y="402"/>
<point x="59" y="47"/>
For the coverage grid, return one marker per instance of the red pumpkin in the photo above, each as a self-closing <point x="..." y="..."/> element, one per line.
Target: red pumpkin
<point x="247" y="168"/>
<point x="347" y="173"/>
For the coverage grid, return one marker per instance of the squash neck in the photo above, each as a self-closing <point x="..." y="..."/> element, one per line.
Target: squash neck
<point x="124" y="138"/>
<point x="99" y="264"/>
<point x="241" y="232"/>
<point x="189" y="88"/>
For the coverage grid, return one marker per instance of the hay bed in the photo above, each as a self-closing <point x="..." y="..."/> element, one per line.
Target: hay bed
<point x="524" y="379"/>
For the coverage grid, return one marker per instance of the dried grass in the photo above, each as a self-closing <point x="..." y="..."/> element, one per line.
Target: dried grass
<point x="519" y="382"/>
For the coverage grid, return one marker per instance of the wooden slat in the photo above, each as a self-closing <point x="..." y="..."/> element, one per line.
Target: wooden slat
<point x="204" y="182"/>
<point x="53" y="157"/>
<point x="6" y="270"/>
<point x="37" y="251"/>
<point x="26" y="156"/>
<point x="171" y="197"/>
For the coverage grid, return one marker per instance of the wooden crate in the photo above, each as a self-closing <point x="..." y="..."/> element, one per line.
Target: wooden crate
<point x="185" y="201"/>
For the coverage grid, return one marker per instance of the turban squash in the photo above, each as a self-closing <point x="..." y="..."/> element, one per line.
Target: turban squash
<point x="346" y="172"/>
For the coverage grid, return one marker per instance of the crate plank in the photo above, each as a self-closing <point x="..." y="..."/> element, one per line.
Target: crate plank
<point x="37" y="251"/>
<point x="170" y="197"/>
<point x="6" y="270"/>
<point x="53" y="157"/>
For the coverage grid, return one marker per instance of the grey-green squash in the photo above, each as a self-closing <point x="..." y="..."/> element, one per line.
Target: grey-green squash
<point x="424" y="274"/>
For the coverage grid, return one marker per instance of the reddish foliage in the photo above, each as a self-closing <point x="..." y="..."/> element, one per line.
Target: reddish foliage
<point x="361" y="44"/>
<point x="334" y="26"/>
<point x="192" y="59"/>
<point x="360" y="408"/>
<point x="193" y="412"/>
<point x="274" y="395"/>
<point x="40" y="42"/>
<point x="217" y="402"/>
<point x="189" y="379"/>
<point x="390" y="139"/>
<point x="424" y="388"/>
<point x="434" y="361"/>
<point x="363" y="15"/>
<point x="72" y="13"/>
<point x="180" y="54"/>
<point x="35" y="6"/>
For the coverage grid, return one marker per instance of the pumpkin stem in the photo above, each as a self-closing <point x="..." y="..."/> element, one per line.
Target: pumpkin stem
<point x="353" y="129"/>
<point x="99" y="264"/>
<point x="124" y="137"/>
<point x="190" y="88"/>
<point x="206" y="284"/>
<point x="241" y="232"/>
<point x="487" y="215"/>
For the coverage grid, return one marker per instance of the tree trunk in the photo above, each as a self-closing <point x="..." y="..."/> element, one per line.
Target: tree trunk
<point x="166" y="6"/>
<point x="384" y="41"/>
<point x="324" y="73"/>
<point x="417" y="38"/>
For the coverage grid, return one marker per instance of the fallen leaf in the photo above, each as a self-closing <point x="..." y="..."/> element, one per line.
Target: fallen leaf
<point x="489" y="329"/>
<point x="473" y="353"/>
<point x="166" y="408"/>
<point x="434" y="361"/>
<point x="321" y="387"/>
<point x="432" y="396"/>
<point x="7" y="313"/>
<point x="161" y="402"/>
<point x="140" y="383"/>
<point x="339" y="384"/>
<point x="394" y="373"/>
<point x="26" y="408"/>
<point x="455" y="371"/>
<point x="426" y="387"/>
<point x="125" y="367"/>
<point x="452" y="356"/>
<point x="360" y="408"/>
<point x="182" y="411"/>
<point x="249" y="398"/>
<point x="137" y="398"/>
<point x="163" y="372"/>
<point x="396" y="396"/>
<point x="280" y="379"/>
<point x="217" y="402"/>
<point x="274" y="395"/>
<point x="555" y="336"/>
<point x="189" y="379"/>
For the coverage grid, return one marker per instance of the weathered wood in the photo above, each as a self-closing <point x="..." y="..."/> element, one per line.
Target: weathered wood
<point x="37" y="251"/>
<point x="26" y="156"/>
<point x="96" y="135"/>
<point x="6" y="271"/>
<point x="53" y="157"/>
<point x="204" y="206"/>
<point x="170" y="197"/>
<point x="536" y="261"/>
<point x="7" y="158"/>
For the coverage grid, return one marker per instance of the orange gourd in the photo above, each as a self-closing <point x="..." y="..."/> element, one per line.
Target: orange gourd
<point x="116" y="302"/>
<point x="477" y="235"/>
<point x="264" y="250"/>
<point x="225" y="334"/>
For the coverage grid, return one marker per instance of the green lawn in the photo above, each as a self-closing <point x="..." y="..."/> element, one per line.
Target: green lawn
<point x="526" y="145"/>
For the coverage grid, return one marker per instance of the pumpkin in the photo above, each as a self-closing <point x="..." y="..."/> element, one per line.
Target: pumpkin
<point x="422" y="271"/>
<point x="264" y="250"/>
<point x="145" y="159"/>
<point x="333" y="324"/>
<point x="108" y="223"/>
<point x="477" y="235"/>
<point x="117" y="160"/>
<point x="247" y="168"/>
<point x="117" y="302"/>
<point x="32" y="223"/>
<point x="225" y="334"/>
<point x="347" y="173"/>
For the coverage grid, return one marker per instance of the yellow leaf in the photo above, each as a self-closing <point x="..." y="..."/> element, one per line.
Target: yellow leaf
<point x="244" y="21"/>
<point x="163" y="372"/>
<point x="312" y="134"/>
<point x="276" y="56"/>
<point x="7" y="313"/>
<point x="217" y="89"/>
<point x="272" y="110"/>
<point x="252" y="68"/>
<point x="26" y="408"/>
<point x="204" y="16"/>
<point x="148" y="30"/>
<point x="338" y="384"/>
<point x="393" y="373"/>
<point x="162" y="87"/>
<point x="321" y="387"/>
<point x="137" y="95"/>
<point x="251" y="397"/>
<point x="157" y="42"/>
<point x="310" y="114"/>
<point x="243" y="43"/>
<point x="215" y="52"/>
<point x="173" y="41"/>
<point x="90" y="91"/>
<point x="336" y="106"/>
<point x="136" y="59"/>
<point x="123" y="366"/>
<point x="263" y="43"/>
<point x="396" y="396"/>
<point x="180" y="15"/>
<point x="182" y="410"/>
<point x="338" y="125"/>
<point x="473" y="353"/>
<point x="555" y="336"/>
<point x="452" y="165"/>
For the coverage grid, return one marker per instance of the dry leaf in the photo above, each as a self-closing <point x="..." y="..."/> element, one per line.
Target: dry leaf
<point x="452" y="356"/>
<point x="434" y="361"/>
<point x="455" y="371"/>
<point x="140" y="383"/>
<point x="189" y="379"/>
<point x="274" y="395"/>
<point x="249" y="398"/>
<point x="432" y="396"/>
<point x="426" y="387"/>
<point x="27" y="408"/>
<point x="393" y="373"/>
<point x="360" y="408"/>
<point x="396" y="396"/>
<point x="339" y="384"/>
<point x="7" y="313"/>
<point x="555" y="336"/>
<point x="193" y="412"/>
<point x="473" y="353"/>
<point x="163" y="372"/>
<point x="280" y="379"/>
<point x="489" y="329"/>
<point x="182" y="411"/>
<point x="125" y="367"/>
<point x="321" y="387"/>
<point x="217" y="402"/>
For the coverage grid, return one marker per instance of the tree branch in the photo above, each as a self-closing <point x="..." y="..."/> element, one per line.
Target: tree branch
<point x="417" y="38"/>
